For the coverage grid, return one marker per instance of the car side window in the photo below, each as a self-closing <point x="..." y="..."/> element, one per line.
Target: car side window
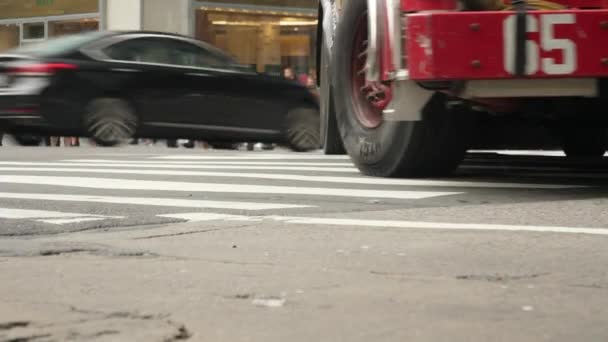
<point x="165" y="51"/>
<point x="186" y="54"/>
<point x="146" y="50"/>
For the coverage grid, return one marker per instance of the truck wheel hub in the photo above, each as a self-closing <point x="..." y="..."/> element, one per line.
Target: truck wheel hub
<point x="370" y="98"/>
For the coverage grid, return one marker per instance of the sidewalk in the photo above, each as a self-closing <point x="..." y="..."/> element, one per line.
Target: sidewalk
<point x="270" y="281"/>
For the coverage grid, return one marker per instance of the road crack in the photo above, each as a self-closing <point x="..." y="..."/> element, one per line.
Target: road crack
<point x="201" y="231"/>
<point x="13" y="325"/>
<point x="499" y="278"/>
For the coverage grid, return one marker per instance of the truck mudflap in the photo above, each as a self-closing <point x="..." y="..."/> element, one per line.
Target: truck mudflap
<point x="484" y="45"/>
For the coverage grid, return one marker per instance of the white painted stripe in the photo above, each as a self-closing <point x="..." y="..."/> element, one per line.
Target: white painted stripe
<point x="249" y="155"/>
<point x="392" y="224"/>
<point x="546" y="153"/>
<point x="199" y="167"/>
<point x="131" y="184"/>
<point x="152" y="201"/>
<point x="290" y="177"/>
<point x="199" y="217"/>
<point x="10" y="213"/>
<point x="52" y="217"/>
<point x="148" y="162"/>
<point x="72" y="220"/>
<point x="578" y="175"/>
<point x="505" y="168"/>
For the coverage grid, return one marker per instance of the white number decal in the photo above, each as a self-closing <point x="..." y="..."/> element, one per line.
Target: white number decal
<point x="547" y="43"/>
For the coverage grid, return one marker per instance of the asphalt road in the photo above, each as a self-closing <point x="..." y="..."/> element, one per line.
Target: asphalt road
<point x="281" y="246"/>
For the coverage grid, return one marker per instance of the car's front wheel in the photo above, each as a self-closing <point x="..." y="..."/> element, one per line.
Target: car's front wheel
<point x="303" y="133"/>
<point x="110" y="121"/>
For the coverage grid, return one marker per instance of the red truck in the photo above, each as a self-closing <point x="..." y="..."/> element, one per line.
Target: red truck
<point x="404" y="83"/>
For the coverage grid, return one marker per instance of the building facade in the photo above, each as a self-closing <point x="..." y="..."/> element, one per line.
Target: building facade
<point x="264" y="34"/>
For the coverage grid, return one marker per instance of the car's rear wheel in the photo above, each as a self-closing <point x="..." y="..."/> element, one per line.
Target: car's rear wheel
<point x="584" y="142"/>
<point x="303" y="129"/>
<point x="28" y="139"/>
<point x="431" y="147"/>
<point x="110" y="121"/>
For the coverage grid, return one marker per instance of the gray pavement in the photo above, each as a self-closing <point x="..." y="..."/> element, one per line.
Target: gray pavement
<point x="146" y="243"/>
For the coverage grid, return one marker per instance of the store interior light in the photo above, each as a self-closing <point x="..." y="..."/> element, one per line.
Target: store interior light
<point x="257" y="23"/>
<point x="242" y="10"/>
<point x="298" y="23"/>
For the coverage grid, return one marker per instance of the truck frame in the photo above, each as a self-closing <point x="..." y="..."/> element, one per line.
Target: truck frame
<point x="404" y="83"/>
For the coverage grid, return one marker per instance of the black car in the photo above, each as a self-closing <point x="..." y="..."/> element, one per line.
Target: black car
<point x="113" y="86"/>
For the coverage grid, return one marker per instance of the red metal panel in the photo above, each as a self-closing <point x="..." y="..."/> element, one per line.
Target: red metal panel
<point x="429" y="5"/>
<point x="467" y="45"/>
<point x="578" y="3"/>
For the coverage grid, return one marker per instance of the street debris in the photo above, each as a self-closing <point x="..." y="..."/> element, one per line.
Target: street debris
<point x="270" y="302"/>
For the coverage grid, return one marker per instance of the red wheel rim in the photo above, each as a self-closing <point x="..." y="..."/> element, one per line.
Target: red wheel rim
<point x="369" y="98"/>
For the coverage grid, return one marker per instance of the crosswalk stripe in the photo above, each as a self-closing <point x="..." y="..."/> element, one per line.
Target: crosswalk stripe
<point x="185" y="163"/>
<point x="547" y="153"/>
<point x="130" y="184"/>
<point x="200" y="167"/>
<point x="53" y="217"/>
<point x="304" y="178"/>
<point x="507" y="168"/>
<point x="152" y="201"/>
<point x="326" y="221"/>
<point x="294" y="156"/>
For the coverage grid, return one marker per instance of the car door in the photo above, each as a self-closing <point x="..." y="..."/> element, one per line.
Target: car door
<point x="161" y="90"/>
<point x="207" y="95"/>
<point x="231" y="100"/>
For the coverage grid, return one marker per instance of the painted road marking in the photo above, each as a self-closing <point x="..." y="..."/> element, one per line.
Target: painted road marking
<point x="148" y="162"/>
<point x="348" y="169"/>
<point x="295" y="156"/>
<point x="194" y="217"/>
<point x="131" y="184"/>
<point x="152" y="201"/>
<point x="303" y="178"/>
<point x="525" y="152"/>
<point x="53" y="217"/>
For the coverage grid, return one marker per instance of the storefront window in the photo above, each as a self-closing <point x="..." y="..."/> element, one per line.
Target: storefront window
<point x="264" y="40"/>
<point x="9" y="37"/>
<point x="10" y="9"/>
<point x="65" y="27"/>
<point x="33" y="31"/>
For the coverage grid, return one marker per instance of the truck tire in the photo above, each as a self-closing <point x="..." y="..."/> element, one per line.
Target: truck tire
<point x="303" y="129"/>
<point x="584" y="142"/>
<point x="431" y="147"/>
<point x="330" y="135"/>
<point x="110" y="121"/>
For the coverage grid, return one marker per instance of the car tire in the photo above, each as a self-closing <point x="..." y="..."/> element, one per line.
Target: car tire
<point x="302" y="132"/>
<point x="584" y="142"/>
<point x="110" y="121"/>
<point x="28" y="139"/>
<point x="330" y="135"/>
<point x="431" y="147"/>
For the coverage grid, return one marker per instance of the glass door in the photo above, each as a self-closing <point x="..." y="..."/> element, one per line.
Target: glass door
<point x="10" y="36"/>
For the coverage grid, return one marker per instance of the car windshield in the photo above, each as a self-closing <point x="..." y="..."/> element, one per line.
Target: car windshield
<point x="59" y="45"/>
